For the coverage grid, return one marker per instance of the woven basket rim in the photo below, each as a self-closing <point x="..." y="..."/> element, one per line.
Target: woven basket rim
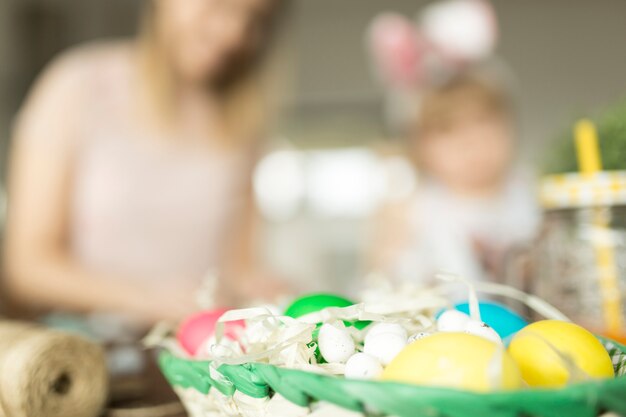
<point x="390" y="398"/>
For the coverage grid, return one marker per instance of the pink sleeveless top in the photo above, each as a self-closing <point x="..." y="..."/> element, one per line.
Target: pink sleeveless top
<point x="147" y="207"/>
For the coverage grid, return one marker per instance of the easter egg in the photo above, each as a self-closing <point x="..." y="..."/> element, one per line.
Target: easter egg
<point x="313" y="303"/>
<point x="335" y="343"/>
<point x="362" y="366"/>
<point x="199" y="327"/>
<point x="385" y="346"/>
<point x="418" y="336"/>
<point x="381" y="328"/>
<point x="499" y="317"/>
<point x="452" y="321"/>
<point x="482" y="329"/>
<point x="455" y="360"/>
<point x="551" y="353"/>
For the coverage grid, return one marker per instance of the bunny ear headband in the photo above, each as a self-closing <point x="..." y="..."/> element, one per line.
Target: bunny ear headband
<point x="447" y="37"/>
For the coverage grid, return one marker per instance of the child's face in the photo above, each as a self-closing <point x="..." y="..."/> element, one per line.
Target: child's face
<point x="471" y="155"/>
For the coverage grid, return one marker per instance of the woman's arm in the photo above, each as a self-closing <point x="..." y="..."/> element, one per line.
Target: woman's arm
<point x="39" y="266"/>
<point x="246" y="277"/>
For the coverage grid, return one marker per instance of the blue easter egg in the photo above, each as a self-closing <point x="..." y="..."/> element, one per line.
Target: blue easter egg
<point x="502" y="319"/>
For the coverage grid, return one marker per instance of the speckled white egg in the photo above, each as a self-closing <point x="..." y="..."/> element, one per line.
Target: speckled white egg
<point x="418" y="336"/>
<point x="479" y="328"/>
<point x="363" y="366"/>
<point x="335" y="343"/>
<point x="384" y="346"/>
<point x="381" y="328"/>
<point x="452" y="321"/>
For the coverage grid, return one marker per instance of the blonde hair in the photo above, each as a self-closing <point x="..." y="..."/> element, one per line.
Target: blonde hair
<point x="443" y="106"/>
<point x="243" y="104"/>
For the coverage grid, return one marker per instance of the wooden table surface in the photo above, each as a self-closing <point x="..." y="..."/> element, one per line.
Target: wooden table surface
<point x="144" y="395"/>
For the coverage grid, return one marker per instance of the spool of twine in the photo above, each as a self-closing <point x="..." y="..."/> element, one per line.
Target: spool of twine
<point x="49" y="373"/>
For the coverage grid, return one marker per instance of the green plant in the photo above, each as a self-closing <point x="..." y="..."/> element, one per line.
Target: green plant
<point x="611" y="125"/>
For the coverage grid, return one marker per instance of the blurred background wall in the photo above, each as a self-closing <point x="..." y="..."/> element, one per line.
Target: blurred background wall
<point x="567" y="55"/>
<point x="33" y="31"/>
<point x="542" y="42"/>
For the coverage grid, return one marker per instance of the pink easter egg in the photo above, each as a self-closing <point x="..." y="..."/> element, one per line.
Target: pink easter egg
<point x="197" y="328"/>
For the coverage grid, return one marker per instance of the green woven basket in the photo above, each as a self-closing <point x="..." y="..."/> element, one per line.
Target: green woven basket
<point x="262" y="381"/>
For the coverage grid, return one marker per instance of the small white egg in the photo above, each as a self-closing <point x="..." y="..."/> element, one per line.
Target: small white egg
<point x="384" y="346"/>
<point x="335" y="343"/>
<point x="452" y="321"/>
<point x="363" y="366"/>
<point x="481" y="329"/>
<point x="418" y="336"/>
<point x="381" y="328"/>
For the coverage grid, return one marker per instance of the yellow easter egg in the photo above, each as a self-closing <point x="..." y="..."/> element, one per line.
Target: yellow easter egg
<point x="455" y="360"/>
<point x="552" y="353"/>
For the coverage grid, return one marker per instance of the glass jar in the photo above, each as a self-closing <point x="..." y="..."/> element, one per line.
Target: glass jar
<point x="578" y="261"/>
<point x="570" y="268"/>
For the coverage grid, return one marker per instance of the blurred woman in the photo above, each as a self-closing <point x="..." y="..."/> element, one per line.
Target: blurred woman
<point x="130" y="176"/>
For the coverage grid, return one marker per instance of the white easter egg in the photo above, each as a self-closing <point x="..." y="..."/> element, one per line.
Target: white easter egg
<point x="384" y="346"/>
<point x="363" y="366"/>
<point x="381" y="328"/>
<point x="478" y="328"/>
<point x="418" y="336"/>
<point x="335" y="343"/>
<point x="452" y="321"/>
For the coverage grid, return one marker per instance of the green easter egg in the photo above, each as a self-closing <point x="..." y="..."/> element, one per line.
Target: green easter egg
<point x="313" y="303"/>
<point x="360" y="325"/>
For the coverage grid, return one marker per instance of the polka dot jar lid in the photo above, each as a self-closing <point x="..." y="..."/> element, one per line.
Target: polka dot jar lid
<point x="575" y="190"/>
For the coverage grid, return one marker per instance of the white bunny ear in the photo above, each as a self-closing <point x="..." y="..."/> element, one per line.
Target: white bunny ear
<point x="462" y="30"/>
<point x="397" y="49"/>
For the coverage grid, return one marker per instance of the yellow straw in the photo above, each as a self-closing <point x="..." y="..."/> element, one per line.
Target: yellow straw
<point x="587" y="149"/>
<point x="590" y="163"/>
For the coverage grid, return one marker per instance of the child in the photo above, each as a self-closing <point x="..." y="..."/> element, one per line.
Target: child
<point x="471" y="206"/>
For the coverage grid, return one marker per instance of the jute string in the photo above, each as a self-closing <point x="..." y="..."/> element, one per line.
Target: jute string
<point x="44" y="373"/>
